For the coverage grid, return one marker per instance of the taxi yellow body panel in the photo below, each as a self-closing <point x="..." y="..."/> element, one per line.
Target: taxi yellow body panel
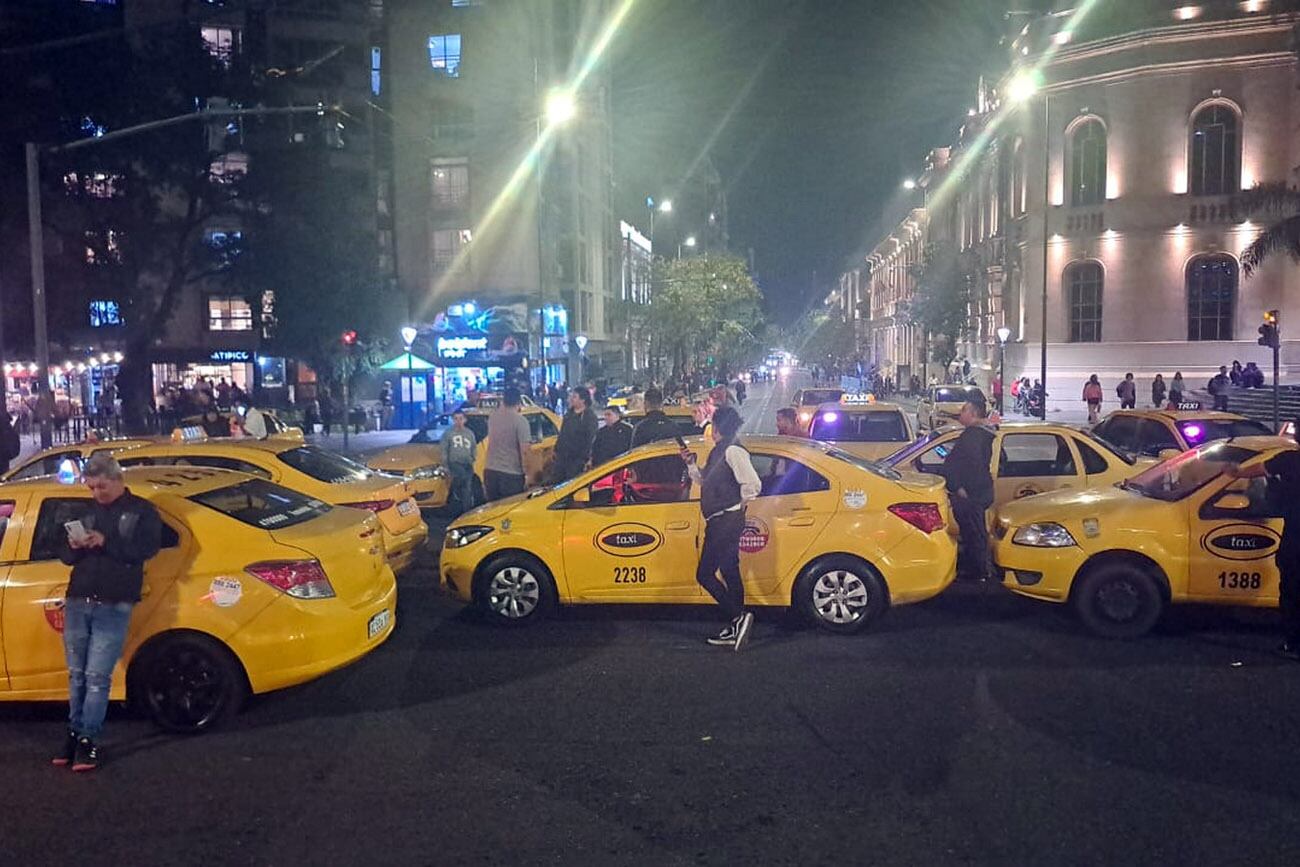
<point x="47" y="462"/>
<point x="942" y="404"/>
<point x="409" y="457"/>
<point x="404" y="531"/>
<point x="1201" y="548"/>
<point x="278" y="640"/>
<point x="899" y="433"/>
<point x="1029" y="458"/>
<point x="639" y="549"/>
<point x="806" y="401"/>
<point x="1148" y="434"/>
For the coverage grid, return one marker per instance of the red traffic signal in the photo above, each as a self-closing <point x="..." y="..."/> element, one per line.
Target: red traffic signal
<point x="349" y="338"/>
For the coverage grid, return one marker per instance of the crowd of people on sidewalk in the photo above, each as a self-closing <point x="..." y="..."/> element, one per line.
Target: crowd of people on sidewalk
<point x="1172" y="394"/>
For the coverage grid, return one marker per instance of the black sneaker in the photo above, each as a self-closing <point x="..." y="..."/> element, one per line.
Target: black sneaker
<point x="69" y="752"/>
<point x="725" y="638"/>
<point x="87" y="758"/>
<point x="743" y="627"/>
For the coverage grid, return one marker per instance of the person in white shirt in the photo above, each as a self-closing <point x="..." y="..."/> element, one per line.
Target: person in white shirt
<point x="727" y="483"/>
<point x="255" y="423"/>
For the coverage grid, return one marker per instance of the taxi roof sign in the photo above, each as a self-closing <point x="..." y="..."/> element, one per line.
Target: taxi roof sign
<point x="191" y="434"/>
<point x="860" y="399"/>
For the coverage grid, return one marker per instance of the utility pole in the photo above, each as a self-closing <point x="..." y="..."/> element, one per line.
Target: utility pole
<point x="1270" y="335"/>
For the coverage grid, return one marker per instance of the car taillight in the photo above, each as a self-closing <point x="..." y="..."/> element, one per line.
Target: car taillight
<point x="923" y="516"/>
<point x="375" y="506"/>
<point x="304" y="579"/>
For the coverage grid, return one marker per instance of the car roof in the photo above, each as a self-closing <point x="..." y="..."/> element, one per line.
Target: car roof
<point x="143" y="481"/>
<point x="836" y="406"/>
<point x="1181" y="414"/>
<point x="266" y="446"/>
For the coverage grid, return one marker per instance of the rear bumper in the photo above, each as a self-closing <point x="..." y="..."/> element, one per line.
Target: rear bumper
<point x="920" y="567"/>
<point x="401" y="547"/>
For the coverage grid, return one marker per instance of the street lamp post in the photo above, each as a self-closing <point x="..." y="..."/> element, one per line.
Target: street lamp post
<point x="560" y="108"/>
<point x="1004" y="333"/>
<point x="664" y="207"/>
<point x="1022" y="87"/>
<point x="690" y="242"/>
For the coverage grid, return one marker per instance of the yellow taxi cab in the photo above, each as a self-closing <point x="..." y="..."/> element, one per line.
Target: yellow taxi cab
<point x="941" y="404"/>
<point x="276" y="428"/>
<point x="833" y="536"/>
<point x="685" y="417"/>
<point x="860" y="425"/>
<point x="628" y="399"/>
<point x="1028" y="458"/>
<point x="69" y="458"/>
<point x="1161" y="433"/>
<point x="420" y="459"/>
<point x="492" y="400"/>
<point x="806" y="401"/>
<point x="295" y="589"/>
<point x="1180" y="531"/>
<point x="310" y="469"/>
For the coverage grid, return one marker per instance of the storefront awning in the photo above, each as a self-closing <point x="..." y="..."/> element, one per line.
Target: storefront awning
<point x="407" y="361"/>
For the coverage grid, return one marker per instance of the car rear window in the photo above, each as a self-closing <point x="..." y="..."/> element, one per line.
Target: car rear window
<point x="883" y="470"/>
<point x="262" y="504"/>
<point x="957" y="395"/>
<point x="325" y="466"/>
<point x="860" y="427"/>
<point x="815" y="396"/>
<point x="1204" y="430"/>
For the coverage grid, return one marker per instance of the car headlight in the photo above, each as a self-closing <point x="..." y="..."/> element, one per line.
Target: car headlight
<point x="459" y="537"/>
<point x="432" y="471"/>
<point x="1043" y="536"/>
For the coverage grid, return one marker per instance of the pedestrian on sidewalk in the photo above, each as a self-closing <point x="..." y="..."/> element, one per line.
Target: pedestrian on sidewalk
<point x="1092" y="397"/>
<point x="504" y="473"/>
<point x="1176" y="389"/>
<point x="1235" y="376"/>
<point x="1127" y="391"/>
<point x="969" y="481"/>
<point x="1218" y="388"/>
<point x="727" y="483"/>
<point x="459" y="447"/>
<point x="1158" y="391"/>
<point x="107" y="549"/>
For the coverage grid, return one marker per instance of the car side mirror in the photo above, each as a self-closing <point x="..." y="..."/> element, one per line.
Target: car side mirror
<point x="1233" y="502"/>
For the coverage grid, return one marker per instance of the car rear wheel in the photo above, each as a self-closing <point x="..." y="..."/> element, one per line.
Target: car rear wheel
<point x="1118" y="600"/>
<point x="515" y="589"/>
<point x="187" y="683"/>
<point x="841" y="594"/>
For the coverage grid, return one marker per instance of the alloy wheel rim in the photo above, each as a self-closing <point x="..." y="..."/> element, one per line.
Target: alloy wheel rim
<point x="188" y="688"/>
<point x="840" y="597"/>
<point x="514" y="592"/>
<point x="1119" y="600"/>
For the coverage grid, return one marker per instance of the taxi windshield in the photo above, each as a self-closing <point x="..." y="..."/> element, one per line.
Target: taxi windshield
<point x="324" y="466"/>
<point x="259" y="503"/>
<point x="814" y="396"/>
<point x="433" y="433"/>
<point x="905" y="455"/>
<point x="957" y="394"/>
<point x="1204" y="430"/>
<point x="859" y="427"/>
<point x="1186" y="474"/>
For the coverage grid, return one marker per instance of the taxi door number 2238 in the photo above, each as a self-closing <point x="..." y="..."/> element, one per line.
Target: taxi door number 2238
<point x="629" y="575"/>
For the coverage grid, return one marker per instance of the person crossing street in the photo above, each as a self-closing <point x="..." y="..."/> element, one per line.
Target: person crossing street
<point x="727" y="483"/>
<point x="459" y="448"/>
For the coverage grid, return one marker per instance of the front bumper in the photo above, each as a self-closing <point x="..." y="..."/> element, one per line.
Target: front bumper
<point x="1039" y="573"/>
<point x="431" y="493"/>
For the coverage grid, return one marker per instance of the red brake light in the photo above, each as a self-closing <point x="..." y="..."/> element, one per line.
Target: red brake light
<point x="375" y="506"/>
<point x="304" y="579"/>
<point x="923" y="516"/>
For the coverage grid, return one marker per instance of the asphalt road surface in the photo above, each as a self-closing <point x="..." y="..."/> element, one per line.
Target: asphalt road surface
<point x="973" y="729"/>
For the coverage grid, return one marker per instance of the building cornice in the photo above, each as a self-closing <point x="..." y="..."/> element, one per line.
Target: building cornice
<point x="1251" y="61"/>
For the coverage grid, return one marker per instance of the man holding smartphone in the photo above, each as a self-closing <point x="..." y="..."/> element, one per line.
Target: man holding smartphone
<point x="727" y="482"/>
<point x="107" y="549"/>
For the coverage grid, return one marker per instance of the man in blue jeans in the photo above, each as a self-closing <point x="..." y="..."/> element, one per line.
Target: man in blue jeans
<point x="107" y="549"/>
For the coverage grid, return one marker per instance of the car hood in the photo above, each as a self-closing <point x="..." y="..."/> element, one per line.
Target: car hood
<point x="1075" y="505"/>
<point x="490" y="513"/>
<point x="404" y="458"/>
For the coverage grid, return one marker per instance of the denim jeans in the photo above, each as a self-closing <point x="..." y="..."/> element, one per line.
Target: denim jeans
<point x="93" y="634"/>
<point x="462" y="485"/>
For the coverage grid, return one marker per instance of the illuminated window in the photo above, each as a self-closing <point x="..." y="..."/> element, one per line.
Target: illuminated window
<point x="450" y="178"/>
<point x="221" y="42"/>
<point x="1084" y="282"/>
<point x="446" y="246"/>
<point x="376" y="69"/>
<point x="444" y="54"/>
<point x="1088" y="164"/>
<point x="104" y="248"/>
<point x="1211" y="297"/>
<point x="1215" y="151"/>
<point x="229" y="313"/>
<point x="105" y="314"/>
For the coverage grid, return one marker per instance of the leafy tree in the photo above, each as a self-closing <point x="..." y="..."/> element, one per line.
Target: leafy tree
<point x="705" y="307"/>
<point x="945" y="280"/>
<point x="1279" y="203"/>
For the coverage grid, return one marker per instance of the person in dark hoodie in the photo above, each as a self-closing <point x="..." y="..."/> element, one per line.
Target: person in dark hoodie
<point x="573" y="448"/>
<point x="970" y="488"/>
<point x="107" y="548"/>
<point x="613" y="439"/>
<point x="656" y="425"/>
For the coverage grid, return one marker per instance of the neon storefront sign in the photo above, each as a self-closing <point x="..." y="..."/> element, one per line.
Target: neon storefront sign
<point x="460" y="347"/>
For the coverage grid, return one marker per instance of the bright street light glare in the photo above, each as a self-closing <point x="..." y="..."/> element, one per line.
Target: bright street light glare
<point x="909" y="184"/>
<point x="1004" y="334"/>
<point x="666" y="206"/>
<point x="1022" y="87"/>
<point x="690" y="241"/>
<point x="561" y="106"/>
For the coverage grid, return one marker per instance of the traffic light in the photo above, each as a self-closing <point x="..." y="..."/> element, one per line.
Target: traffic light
<point x="349" y="338"/>
<point x="1268" y="332"/>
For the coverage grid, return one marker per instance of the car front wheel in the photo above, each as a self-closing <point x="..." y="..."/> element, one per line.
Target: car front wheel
<point x="841" y="594"/>
<point x="515" y="589"/>
<point x="1118" y="600"/>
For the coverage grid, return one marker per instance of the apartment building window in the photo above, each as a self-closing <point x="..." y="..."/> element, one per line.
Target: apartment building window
<point x="229" y="313"/>
<point x="1211" y="297"/>
<point x="1215" y="152"/>
<point x="450" y="178"/>
<point x="444" y="54"/>
<point x="446" y="246"/>
<point x="105" y="314"/>
<point x="221" y="42"/>
<point x="1084" y="282"/>
<point x="1018" y="178"/>
<point x="376" y="69"/>
<point x="1088" y="163"/>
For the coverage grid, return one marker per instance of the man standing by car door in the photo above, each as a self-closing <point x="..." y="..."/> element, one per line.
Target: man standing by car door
<point x="970" y="488"/>
<point x="656" y="425"/>
<point x="577" y="433"/>
<point x="507" y="449"/>
<point x="107" y="549"/>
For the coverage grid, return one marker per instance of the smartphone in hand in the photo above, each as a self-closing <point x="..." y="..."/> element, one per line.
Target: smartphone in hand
<point x="76" y="532"/>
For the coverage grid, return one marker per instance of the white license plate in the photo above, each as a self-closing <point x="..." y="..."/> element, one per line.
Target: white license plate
<point x="406" y="507"/>
<point x="379" y="623"/>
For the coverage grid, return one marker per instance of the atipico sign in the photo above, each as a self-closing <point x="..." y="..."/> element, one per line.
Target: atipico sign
<point x="460" y="347"/>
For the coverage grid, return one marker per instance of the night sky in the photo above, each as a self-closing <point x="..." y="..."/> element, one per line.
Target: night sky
<point x="813" y="112"/>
